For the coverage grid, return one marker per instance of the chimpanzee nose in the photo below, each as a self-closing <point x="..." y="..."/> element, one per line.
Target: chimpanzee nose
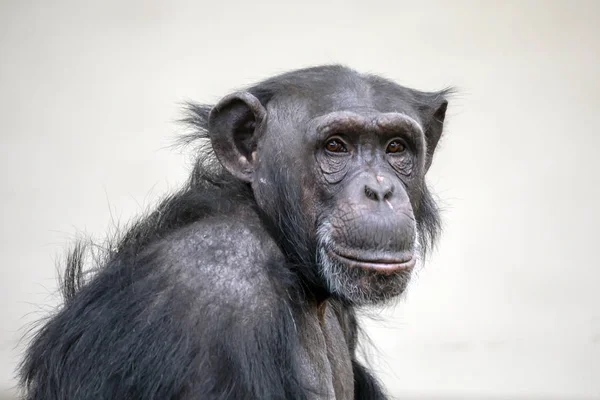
<point x="379" y="188"/>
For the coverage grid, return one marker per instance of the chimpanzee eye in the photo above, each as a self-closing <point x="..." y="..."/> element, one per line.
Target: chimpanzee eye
<point x="395" y="146"/>
<point x="335" y="146"/>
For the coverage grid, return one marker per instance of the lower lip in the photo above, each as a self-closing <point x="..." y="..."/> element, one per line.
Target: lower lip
<point x="381" y="267"/>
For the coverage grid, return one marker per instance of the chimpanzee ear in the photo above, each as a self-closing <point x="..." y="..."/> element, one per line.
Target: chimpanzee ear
<point x="234" y="126"/>
<point x="435" y="125"/>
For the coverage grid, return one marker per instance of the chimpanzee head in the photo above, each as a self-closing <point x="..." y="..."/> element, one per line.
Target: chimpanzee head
<point x="336" y="161"/>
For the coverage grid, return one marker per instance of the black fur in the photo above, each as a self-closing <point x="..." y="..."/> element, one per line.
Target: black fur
<point x="147" y="322"/>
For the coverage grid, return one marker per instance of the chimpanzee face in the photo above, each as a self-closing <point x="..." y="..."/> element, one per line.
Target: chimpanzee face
<point x="346" y="166"/>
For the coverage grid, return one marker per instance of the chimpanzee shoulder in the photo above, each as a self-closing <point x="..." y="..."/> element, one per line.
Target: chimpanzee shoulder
<point x="230" y="259"/>
<point x="174" y="320"/>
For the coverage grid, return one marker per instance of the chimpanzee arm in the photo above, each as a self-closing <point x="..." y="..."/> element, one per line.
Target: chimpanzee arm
<point x="193" y="316"/>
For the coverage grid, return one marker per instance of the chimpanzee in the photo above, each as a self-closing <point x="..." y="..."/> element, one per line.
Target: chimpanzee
<point x="307" y="200"/>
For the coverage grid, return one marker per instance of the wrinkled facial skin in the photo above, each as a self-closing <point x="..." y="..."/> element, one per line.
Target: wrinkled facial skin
<point x="358" y="173"/>
<point x="367" y="231"/>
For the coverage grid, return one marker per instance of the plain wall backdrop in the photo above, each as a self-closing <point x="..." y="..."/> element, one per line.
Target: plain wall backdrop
<point x="509" y="304"/>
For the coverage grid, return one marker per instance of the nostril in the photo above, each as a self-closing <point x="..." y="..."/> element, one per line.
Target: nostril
<point x="371" y="194"/>
<point x="388" y="194"/>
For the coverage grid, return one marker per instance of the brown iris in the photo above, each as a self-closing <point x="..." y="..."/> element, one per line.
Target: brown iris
<point x="395" y="147"/>
<point x="335" y="146"/>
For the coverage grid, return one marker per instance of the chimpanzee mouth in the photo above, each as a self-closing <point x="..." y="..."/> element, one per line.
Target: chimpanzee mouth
<point x="385" y="264"/>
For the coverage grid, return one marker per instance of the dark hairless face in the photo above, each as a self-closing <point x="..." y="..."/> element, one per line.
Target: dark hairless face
<point x="367" y="233"/>
<point x="353" y="154"/>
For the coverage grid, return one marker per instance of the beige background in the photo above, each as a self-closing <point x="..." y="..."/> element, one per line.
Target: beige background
<point x="509" y="305"/>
